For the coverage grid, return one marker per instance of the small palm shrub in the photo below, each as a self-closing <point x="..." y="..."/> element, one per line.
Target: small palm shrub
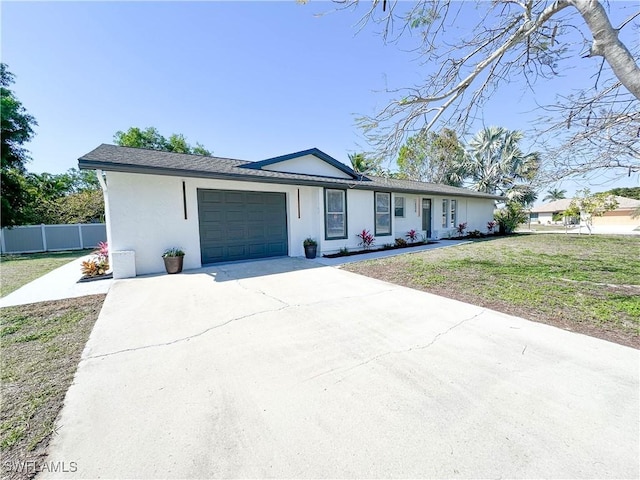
<point x="510" y="216"/>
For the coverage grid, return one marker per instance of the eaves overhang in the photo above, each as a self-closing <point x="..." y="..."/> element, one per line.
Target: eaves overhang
<point x="363" y="183"/>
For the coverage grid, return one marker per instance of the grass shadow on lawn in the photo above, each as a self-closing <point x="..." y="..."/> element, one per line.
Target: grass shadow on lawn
<point x="587" y="284"/>
<point x="41" y="346"/>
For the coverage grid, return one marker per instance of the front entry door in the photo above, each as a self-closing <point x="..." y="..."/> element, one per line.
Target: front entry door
<point x="426" y="216"/>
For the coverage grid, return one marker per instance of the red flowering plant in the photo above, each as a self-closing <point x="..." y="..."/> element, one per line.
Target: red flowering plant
<point x="491" y="225"/>
<point x="413" y="236"/>
<point x="461" y="228"/>
<point x="99" y="264"/>
<point x="366" y="239"/>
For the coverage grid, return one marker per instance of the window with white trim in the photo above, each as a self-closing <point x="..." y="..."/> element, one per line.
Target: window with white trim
<point x="398" y="206"/>
<point x="383" y="213"/>
<point x="454" y="213"/>
<point x="335" y="213"/>
<point x="445" y="213"/>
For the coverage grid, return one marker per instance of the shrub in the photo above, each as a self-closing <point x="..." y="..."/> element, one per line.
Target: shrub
<point x="401" y="242"/>
<point x="94" y="267"/>
<point x="413" y="236"/>
<point x="510" y="216"/>
<point x="366" y="239"/>
<point x="343" y="251"/>
<point x="461" y="228"/>
<point x="103" y="250"/>
<point x="491" y="225"/>
<point x="387" y="246"/>
<point x="98" y="264"/>
<point x="476" y="234"/>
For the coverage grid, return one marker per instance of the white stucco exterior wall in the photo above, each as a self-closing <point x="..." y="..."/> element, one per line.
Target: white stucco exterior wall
<point x="307" y="165"/>
<point x="146" y="215"/>
<point x="412" y="219"/>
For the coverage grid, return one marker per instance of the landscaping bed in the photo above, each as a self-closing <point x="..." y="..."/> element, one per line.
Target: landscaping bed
<point x="345" y="253"/>
<point x="586" y="284"/>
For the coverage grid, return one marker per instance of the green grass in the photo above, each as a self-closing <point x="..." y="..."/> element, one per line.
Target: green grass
<point x="41" y="345"/>
<point x="18" y="270"/>
<point x="584" y="283"/>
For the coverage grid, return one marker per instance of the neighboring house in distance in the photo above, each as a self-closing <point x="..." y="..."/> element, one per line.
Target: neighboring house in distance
<point x="220" y="209"/>
<point x="544" y="214"/>
<point x="621" y="216"/>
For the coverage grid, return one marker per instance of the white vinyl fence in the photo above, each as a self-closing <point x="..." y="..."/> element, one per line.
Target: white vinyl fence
<point x="52" y="238"/>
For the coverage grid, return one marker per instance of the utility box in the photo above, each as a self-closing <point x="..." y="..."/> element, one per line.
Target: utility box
<point x="123" y="264"/>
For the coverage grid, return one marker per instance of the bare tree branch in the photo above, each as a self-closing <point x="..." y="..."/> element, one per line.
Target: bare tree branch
<point x="511" y="39"/>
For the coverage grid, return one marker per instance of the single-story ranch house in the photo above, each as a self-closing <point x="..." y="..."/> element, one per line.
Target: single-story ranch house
<point x="623" y="215"/>
<point x="220" y="209"/>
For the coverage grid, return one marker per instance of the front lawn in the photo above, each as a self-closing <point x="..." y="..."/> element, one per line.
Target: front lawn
<point x="588" y="284"/>
<point x="18" y="270"/>
<point x="41" y="345"/>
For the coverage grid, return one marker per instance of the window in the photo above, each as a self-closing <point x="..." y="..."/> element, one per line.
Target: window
<point x="445" y="213"/>
<point x="454" y="213"/>
<point x="383" y="213"/>
<point x="335" y="214"/>
<point x="399" y="206"/>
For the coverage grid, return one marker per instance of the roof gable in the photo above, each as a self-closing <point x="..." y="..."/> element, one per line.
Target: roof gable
<point x="307" y="162"/>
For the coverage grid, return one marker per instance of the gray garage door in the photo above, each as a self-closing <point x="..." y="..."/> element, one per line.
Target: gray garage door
<point x="236" y="225"/>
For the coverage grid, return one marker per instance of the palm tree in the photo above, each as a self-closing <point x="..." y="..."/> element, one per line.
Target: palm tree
<point x="359" y="162"/>
<point x="554" y="194"/>
<point x="496" y="164"/>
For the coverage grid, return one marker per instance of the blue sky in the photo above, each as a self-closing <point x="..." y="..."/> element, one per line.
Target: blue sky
<point x="249" y="80"/>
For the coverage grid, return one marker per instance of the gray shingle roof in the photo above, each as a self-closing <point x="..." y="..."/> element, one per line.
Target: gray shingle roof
<point x="139" y="160"/>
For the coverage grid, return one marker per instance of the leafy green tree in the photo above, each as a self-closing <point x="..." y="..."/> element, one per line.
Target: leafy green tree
<point x="446" y="156"/>
<point x="587" y="205"/>
<point x="85" y="206"/>
<point x="50" y="198"/>
<point x="412" y="161"/>
<point x="138" y="138"/>
<point x="433" y="157"/>
<point x="151" y="139"/>
<point x="554" y="194"/>
<point x="631" y="192"/>
<point x="496" y="164"/>
<point x="17" y="129"/>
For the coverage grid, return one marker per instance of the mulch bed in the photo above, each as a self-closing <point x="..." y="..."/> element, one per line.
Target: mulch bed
<point x="381" y="249"/>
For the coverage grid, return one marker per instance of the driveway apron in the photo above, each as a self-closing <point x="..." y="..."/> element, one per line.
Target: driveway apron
<point x="287" y="369"/>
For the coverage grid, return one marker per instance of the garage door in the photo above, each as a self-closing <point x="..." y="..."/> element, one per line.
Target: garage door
<point x="236" y="225"/>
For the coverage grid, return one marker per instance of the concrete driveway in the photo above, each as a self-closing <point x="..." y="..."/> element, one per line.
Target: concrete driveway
<point x="287" y="369"/>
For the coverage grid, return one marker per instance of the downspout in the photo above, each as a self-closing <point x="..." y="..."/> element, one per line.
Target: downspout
<point x="107" y="216"/>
